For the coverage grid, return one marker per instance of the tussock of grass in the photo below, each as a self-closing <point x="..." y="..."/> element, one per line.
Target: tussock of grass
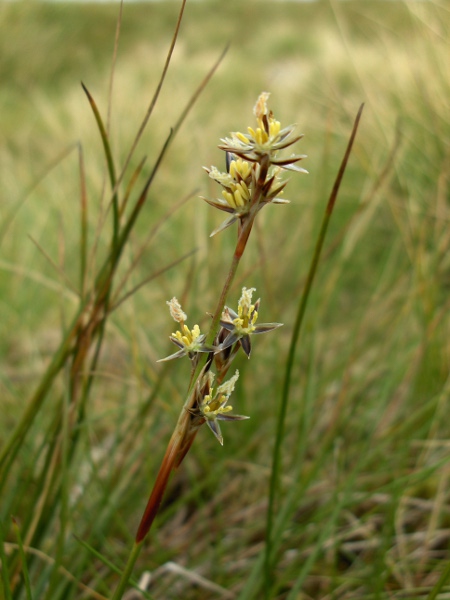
<point x="364" y="509"/>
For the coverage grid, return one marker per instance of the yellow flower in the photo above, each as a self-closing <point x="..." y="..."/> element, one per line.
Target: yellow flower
<point x="242" y="324"/>
<point x="212" y="404"/>
<point x="265" y="140"/>
<point x="253" y="172"/>
<point x="189" y="341"/>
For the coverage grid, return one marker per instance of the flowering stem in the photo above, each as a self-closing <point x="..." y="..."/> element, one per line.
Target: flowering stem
<point x="127" y="571"/>
<point x="168" y="463"/>
<point x="244" y="197"/>
<point x="226" y="288"/>
<point x="183" y="436"/>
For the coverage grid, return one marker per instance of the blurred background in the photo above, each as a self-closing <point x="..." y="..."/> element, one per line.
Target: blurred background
<point x="364" y="510"/>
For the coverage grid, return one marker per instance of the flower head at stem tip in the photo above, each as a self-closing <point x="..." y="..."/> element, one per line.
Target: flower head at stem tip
<point x="252" y="179"/>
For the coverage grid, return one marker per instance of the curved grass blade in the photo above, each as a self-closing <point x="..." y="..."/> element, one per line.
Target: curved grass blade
<point x="155" y="95"/>
<point x="130" y="186"/>
<point x="109" y="162"/>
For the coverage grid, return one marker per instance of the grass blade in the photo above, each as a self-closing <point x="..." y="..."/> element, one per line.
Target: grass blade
<point x="156" y="94"/>
<point x="445" y="575"/>
<point x="276" y="460"/>
<point x="26" y="575"/>
<point x="113" y="568"/>
<point x="109" y="162"/>
<point x="4" y="569"/>
<point x="83" y="223"/>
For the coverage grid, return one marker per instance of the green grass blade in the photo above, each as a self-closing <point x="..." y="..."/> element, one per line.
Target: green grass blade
<point x="445" y="575"/>
<point x="128" y="226"/>
<point x="26" y="575"/>
<point x="157" y="91"/>
<point x="63" y="492"/>
<point x="131" y="185"/>
<point x="125" y="576"/>
<point x="10" y="449"/>
<point x="110" y="163"/>
<point x="4" y="570"/>
<point x="132" y="559"/>
<point x="276" y="460"/>
<point x="83" y="223"/>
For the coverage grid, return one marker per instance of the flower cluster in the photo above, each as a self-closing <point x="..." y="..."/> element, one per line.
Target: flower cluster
<point x="210" y="405"/>
<point x="251" y="181"/>
<point x="189" y="341"/>
<point x="243" y="324"/>
<point x="253" y="172"/>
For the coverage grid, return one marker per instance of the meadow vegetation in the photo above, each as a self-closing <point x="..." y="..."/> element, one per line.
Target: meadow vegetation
<point x="364" y="507"/>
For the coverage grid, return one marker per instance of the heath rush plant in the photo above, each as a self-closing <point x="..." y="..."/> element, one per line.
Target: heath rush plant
<point x="253" y="179"/>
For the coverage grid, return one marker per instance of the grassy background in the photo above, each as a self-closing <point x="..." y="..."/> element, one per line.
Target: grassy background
<point x="365" y="508"/>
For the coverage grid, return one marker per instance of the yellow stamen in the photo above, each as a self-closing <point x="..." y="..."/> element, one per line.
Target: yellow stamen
<point x="243" y="138"/>
<point x="229" y="198"/>
<point x="274" y="128"/>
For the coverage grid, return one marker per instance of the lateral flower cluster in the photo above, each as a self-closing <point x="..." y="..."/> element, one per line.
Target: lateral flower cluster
<point x="210" y="405"/>
<point x="254" y="167"/>
<point x="189" y="341"/>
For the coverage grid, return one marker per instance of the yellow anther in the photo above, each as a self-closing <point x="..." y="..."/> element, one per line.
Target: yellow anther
<point x="241" y="137"/>
<point x="261" y="136"/>
<point x="187" y="337"/>
<point x="274" y="128"/>
<point x="229" y="198"/>
<point x="240" y="168"/>
<point x="238" y="198"/>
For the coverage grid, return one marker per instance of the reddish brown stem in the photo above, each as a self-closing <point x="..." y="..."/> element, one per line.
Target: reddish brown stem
<point x="179" y="445"/>
<point x="188" y="440"/>
<point x="168" y="464"/>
